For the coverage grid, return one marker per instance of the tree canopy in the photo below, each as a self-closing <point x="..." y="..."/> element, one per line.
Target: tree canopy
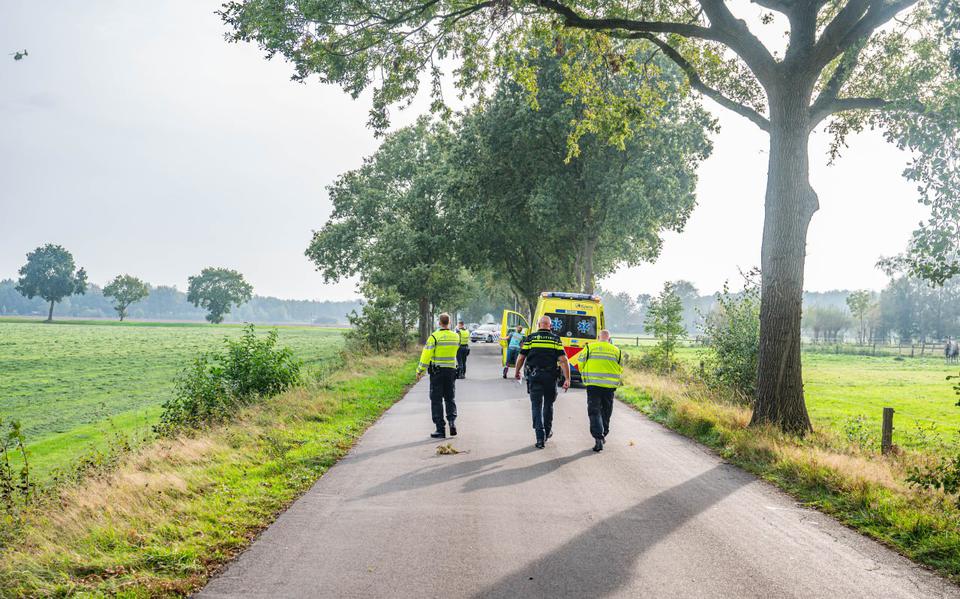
<point x="389" y="226"/>
<point x="51" y="274"/>
<point x="216" y="290"/>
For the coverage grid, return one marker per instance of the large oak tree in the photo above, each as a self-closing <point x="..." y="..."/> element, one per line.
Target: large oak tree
<point x="850" y="63"/>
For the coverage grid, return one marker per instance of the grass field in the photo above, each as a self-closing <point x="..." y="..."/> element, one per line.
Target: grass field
<point x="74" y="383"/>
<point x="843" y="387"/>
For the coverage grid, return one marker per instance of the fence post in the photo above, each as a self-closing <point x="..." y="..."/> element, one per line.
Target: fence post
<point x="886" y="437"/>
<point x="638" y="341"/>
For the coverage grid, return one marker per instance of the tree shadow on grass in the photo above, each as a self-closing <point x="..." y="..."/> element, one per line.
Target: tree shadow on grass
<point x="602" y="560"/>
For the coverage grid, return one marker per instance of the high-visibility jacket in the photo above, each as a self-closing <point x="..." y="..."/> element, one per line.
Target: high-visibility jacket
<point x="464" y="336"/>
<point x="440" y="350"/>
<point x="601" y="364"/>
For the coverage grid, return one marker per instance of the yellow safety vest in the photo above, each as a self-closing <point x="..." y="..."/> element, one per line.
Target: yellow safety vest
<point x="464" y="336"/>
<point x="440" y="350"/>
<point x="600" y="364"/>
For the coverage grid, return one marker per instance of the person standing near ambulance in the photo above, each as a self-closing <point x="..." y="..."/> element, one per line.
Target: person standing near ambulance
<point x="463" y="351"/>
<point x="439" y="360"/>
<point x="514" y="341"/>
<point x="541" y="352"/>
<point x="601" y="366"/>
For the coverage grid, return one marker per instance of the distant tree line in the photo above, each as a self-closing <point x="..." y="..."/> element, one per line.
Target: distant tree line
<point x="169" y="303"/>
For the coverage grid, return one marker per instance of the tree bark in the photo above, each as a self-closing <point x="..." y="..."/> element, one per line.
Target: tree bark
<point x="425" y="320"/>
<point x="50" y="315"/>
<point x="789" y="205"/>
<point x="589" y="248"/>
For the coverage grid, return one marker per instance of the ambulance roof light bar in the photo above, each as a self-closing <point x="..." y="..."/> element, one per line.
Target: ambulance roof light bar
<point x="571" y="296"/>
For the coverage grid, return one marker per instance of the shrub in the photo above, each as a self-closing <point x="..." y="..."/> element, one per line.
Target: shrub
<point x="943" y="476"/>
<point x="732" y="336"/>
<point x="383" y="324"/>
<point x="15" y="484"/>
<point x="216" y="384"/>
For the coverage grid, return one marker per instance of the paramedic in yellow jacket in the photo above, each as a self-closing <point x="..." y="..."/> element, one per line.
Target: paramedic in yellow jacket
<point x="601" y="369"/>
<point x="439" y="360"/>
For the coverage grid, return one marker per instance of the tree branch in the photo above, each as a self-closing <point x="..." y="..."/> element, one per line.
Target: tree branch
<point x="855" y="21"/>
<point x="848" y="104"/>
<point x="697" y="83"/>
<point x="738" y="37"/>
<point x="573" y="19"/>
<point x="831" y="90"/>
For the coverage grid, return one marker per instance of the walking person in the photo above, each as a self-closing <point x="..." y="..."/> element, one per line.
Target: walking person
<point x="514" y="341"/>
<point x="540" y="353"/>
<point x="438" y="359"/>
<point x="601" y="366"/>
<point x="463" y="351"/>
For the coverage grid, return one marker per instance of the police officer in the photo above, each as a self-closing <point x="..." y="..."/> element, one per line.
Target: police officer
<point x="601" y="366"/>
<point x="463" y="351"/>
<point x="439" y="360"/>
<point x="539" y="354"/>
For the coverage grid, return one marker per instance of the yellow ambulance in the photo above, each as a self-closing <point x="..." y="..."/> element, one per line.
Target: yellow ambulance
<point x="575" y="317"/>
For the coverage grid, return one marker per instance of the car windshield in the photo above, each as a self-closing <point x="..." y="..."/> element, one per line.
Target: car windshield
<point x="574" y="325"/>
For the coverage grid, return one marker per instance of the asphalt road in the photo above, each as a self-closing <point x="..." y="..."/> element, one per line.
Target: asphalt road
<point x="654" y="515"/>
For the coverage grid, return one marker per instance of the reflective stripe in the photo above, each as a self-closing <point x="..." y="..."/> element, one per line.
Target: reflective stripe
<point x="599" y="357"/>
<point x="448" y="343"/>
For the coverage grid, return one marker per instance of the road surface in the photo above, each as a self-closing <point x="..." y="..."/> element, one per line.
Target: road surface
<point x="654" y="515"/>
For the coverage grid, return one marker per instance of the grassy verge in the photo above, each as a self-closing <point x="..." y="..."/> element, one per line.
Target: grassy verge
<point x="176" y="510"/>
<point x="858" y="487"/>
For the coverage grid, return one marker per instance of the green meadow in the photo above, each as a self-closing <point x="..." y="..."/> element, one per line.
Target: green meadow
<point x="842" y="388"/>
<point x="73" y="384"/>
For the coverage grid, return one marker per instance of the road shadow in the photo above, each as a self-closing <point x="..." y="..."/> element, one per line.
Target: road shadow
<point x="366" y="455"/>
<point x="516" y="476"/>
<point x="438" y="474"/>
<point x="602" y="560"/>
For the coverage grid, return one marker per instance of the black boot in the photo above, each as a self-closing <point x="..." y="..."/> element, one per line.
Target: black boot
<point x="438" y="434"/>
<point x="598" y="446"/>
<point x="453" y="430"/>
<point x="505" y="372"/>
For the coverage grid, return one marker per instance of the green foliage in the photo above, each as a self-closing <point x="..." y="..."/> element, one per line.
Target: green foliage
<point x="732" y="336"/>
<point x="825" y="323"/>
<point x="857" y="431"/>
<point x="944" y="476"/>
<point x="125" y="290"/>
<point x="551" y="222"/>
<point x="383" y="324"/>
<point x="217" y="384"/>
<point x="16" y="486"/>
<point x="50" y="273"/>
<point x="860" y="303"/>
<point x="388" y="225"/>
<point x="664" y="321"/>
<point x="217" y="290"/>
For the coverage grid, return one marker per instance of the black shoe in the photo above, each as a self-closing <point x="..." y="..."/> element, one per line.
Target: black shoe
<point x="438" y="435"/>
<point x="539" y="445"/>
<point x="453" y="430"/>
<point x="549" y="434"/>
<point x="598" y="446"/>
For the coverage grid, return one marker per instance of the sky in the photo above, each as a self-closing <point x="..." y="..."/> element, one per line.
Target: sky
<point x="138" y="138"/>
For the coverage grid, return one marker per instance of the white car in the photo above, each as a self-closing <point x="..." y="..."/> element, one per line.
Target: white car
<point x="487" y="333"/>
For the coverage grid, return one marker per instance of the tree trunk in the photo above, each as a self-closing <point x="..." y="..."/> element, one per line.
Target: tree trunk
<point x="425" y="320"/>
<point x="50" y="315"/>
<point x="589" y="247"/>
<point x="789" y="205"/>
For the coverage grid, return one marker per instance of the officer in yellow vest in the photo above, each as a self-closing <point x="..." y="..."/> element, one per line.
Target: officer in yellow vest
<point x="601" y="369"/>
<point x="439" y="359"/>
<point x="463" y="351"/>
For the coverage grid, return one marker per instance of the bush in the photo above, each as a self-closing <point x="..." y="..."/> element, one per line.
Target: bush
<point x="383" y="324"/>
<point x="732" y="336"/>
<point x="15" y="484"/>
<point x="216" y="384"/>
<point x="943" y="476"/>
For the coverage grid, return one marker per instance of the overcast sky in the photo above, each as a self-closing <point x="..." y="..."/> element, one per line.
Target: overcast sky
<point x="136" y="137"/>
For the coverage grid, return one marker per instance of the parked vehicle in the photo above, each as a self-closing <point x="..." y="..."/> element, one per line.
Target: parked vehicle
<point x="486" y="333"/>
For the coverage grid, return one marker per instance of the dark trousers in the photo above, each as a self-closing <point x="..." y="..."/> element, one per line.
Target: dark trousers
<point x="442" y="387"/>
<point x="462" y="354"/>
<point x="543" y="392"/>
<point x="599" y="408"/>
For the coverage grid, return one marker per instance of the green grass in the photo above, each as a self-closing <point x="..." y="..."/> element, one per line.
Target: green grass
<point x="74" y="383"/>
<point x="842" y="387"/>
<point x="176" y="510"/>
